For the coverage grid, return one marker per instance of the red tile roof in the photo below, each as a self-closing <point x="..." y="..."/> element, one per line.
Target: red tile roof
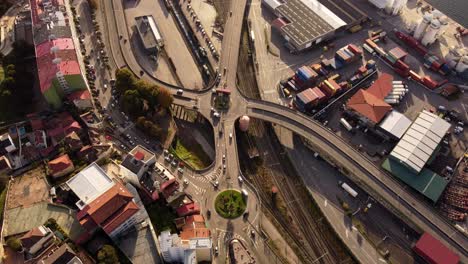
<point x="382" y="86"/>
<point x="434" y="252"/>
<point x="188" y="209"/>
<point x="60" y="164"/>
<point x="368" y="105"/>
<point x="195" y="233"/>
<point x="119" y="217"/>
<point x="79" y="95"/>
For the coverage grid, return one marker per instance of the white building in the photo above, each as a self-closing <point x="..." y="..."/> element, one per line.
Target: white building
<point x="420" y="141"/>
<point x="175" y="249"/>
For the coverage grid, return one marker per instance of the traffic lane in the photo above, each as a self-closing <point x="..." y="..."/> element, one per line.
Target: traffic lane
<point x="375" y="179"/>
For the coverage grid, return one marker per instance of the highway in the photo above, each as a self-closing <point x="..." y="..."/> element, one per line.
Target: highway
<point x="382" y="184"/>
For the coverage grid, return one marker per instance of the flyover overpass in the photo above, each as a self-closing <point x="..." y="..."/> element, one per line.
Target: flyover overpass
<point x="364" y="171"/>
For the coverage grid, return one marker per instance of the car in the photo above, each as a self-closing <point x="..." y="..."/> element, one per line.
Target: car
<point x="216" y="184"/>
<point x="165" y="152"/>
<point x="167" y="159"/>
<point x="246" y="214"/>
<point x="252" y="233"/>
<point x="208" y="213"/>
<point x="240" y="179"/>
<point x="180" y="91"/>
<point x="216" y="114"/>
<point x="180" y="170"/>
<point x="216" y="251"/>
<point x="224" y="168"/>
<point x="105" y="86"/>
<point x="230" y="136"/>
<point x="224" y="158"/>
<point x="186" y="182"/>
<point x="171" y="156"/>
<point x="245" y="193"/>
<point x="174" y="163"/>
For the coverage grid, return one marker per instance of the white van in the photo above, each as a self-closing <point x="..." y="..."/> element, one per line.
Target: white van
<point x="245" y="193"/>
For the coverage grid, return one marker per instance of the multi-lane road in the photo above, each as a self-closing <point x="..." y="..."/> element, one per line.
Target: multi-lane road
<point x="382" y="185"/>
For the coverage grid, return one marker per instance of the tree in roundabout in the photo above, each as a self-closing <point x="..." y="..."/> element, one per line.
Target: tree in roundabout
<point x="230" y="204"/>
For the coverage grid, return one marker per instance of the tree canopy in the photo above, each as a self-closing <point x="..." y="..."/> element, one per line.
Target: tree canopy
<point x="107" y="255"/>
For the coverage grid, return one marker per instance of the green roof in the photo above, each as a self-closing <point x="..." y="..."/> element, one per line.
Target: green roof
<point x="427" y="182"/>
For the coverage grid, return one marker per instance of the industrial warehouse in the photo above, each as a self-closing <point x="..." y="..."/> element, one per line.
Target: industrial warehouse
<point x="304" y="23"/>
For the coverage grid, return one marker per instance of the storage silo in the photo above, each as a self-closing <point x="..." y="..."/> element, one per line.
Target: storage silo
<point x="453" y="56"/>
<point x="422" y="26"/>
<point x="398" y="6"/>
<point x="444" y="23"/>
<point x="462" y="64"/>
<point x="431" y="33"/>
<point x="437" y="14"/>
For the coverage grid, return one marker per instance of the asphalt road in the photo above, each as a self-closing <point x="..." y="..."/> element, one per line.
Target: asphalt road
<point x="392" y="192"/>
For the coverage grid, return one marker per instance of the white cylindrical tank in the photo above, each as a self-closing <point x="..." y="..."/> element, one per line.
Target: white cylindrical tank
<point x="244" y="123"/>
<point x="398" y="6"/>
<point x="397" y="82"/>
<point x="437" y="14"/>
<point x="444" y="23"/>
<point x="422" y="26"/>
<point x="453" y="56"/>
<point x="392" y="101"/>
<point x="393" y="96"/>
<point x="431" y="33"/>
<point x="462" y="65"/>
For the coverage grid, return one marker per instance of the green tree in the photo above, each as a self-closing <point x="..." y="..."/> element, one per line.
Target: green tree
<point x="124" y="80"/>
<point x="140" y="122"/>
<point x="165" y="98"/>
<point x="107" y="255"/>
<point x="14" y="243"/>
<point x="132" y="103"/>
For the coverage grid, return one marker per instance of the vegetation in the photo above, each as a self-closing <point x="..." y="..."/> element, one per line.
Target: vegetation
<point x="16" y="93"/>
<point x="14" y="243"/>
<point x="52" y="224"/>
<point x="230" y="204"/>
<point x="196" y="158"/>
<point x="2" y="73"/>
<point x="2" y="203"/>
<point x="93" y="4"/>
<point x="162" y="217"/>
<point x="107" y="255"/>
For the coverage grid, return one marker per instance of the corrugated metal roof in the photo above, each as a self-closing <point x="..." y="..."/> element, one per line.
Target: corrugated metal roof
<point x="396" y="124"/>
<point x="420" y="140"/>
<point x="433" y="251"/>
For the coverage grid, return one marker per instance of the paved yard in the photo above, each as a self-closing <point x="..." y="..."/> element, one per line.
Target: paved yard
<point x="28" y="189"/>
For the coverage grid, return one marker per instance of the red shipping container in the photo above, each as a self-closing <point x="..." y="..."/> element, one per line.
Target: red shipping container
<point x="429" y="83"/>
<point x="415" y="76"/>
<point x="354" y="49"/>
<point x="362" y="69"/>
<point x="401" y="72"/>
<point x="435" y="65"/>
<point x="401" y="65"/>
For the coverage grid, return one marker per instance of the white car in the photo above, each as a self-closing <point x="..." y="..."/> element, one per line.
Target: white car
<point x="216" y="114"/>
<point x="240" y="179"/>
<point x="230" y="136"/>
<point x="224" y="158"/>
<point x="186" y="182"/>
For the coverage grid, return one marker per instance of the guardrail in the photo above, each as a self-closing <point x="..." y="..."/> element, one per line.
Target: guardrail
<point x="326" y="135"/>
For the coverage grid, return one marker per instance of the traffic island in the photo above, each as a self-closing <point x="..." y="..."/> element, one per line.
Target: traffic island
<point x="230" y="204"/>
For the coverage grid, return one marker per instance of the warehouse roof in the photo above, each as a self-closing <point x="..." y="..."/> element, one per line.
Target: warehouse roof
<point x="309" y="19"/>
<point x="395" y="123"/>
<point x="427" y="182"/>
<point x="420" y="140"/>
<point x="433" y="251"/>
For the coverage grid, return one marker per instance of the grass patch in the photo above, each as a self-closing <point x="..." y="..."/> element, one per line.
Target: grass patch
<point x="2" y="203"/>
<point x="162" y="217"/>
<point x="230" y="204"/>
<point x="193" y="155"/>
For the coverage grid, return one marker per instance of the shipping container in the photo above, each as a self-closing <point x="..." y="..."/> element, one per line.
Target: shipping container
<point x="368" y="48"/>
<point x="401" y="65"/>
<point x="355" y="49"/>
<point x="348" y="188"/>
<point x="349" y="128"/>
<point x="401" y="72"/>
<point x="415" y="76"/>
<point x="429" y="83"/>
<point x="370" y="64"/>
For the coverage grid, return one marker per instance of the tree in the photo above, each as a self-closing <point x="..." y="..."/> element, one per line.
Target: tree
<point x="165" y="98"/>
<point x="132" y="103"/>
<point x="14" y="243"/>
<point x="107" y="255"/>
<point x="124" y="80"/>
<point x="93" y="4"/>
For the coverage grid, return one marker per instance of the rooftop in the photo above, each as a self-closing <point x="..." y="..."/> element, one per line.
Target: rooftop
<point x="420" y="140"/>
<point x="396" y="124"/>
<point x="433" y="251"/>
<point x="90" y="183"/>
<point x="148" y="31"/>
<point x="382" y="86"/>
<point x="60" y="164"/>
<point x="309" y="19"/>
<point x="368" y="105"/>
<point x="141" y="153"/>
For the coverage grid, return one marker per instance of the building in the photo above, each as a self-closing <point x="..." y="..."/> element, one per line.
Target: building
<point x="41" y="246"/>
<point x="57" y="64"/>
<point x="73" y="142"/>
<point x="6" y="144"/>
<point x="5" y="165"/>
<point x="91" y="120"/>
<point x="309" y="22"/>
<point x="420" y="141"/>
<point x="434" y="252"/>
<point x="395" y="124"/>
<point x="369" y="104"/>
<point x="23" y="27"/>
<point x="193" y="245"/>
<point x="60" y="166"/>
<point x="81" y="99"/>
<point x="138" y="160"/>
<point x="104" y="204"/>
<point x="149" y="33"/>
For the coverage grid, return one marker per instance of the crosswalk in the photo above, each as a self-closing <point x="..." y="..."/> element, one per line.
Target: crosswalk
<point x="198" y="190"/>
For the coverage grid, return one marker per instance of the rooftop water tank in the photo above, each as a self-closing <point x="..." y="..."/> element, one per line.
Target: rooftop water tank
<point x="431" y="33"/>
<point x="422" y="26"/>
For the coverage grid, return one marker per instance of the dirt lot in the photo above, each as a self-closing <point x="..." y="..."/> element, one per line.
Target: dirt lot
<point x="28" y="189"/>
